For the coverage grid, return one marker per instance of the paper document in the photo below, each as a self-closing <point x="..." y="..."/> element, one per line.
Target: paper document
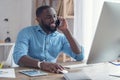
<point x="115" y="70"/>
<point x="7" y="73"/>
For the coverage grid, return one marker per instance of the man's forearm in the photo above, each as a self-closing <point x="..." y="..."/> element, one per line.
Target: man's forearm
<point x="28" y="62"/>
<point x="74" y="45"/>
<point x="47" y="66"/>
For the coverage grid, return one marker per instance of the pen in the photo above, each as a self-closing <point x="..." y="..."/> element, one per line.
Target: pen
<point x="114" y="63"/>
<point x="115" y="75"/>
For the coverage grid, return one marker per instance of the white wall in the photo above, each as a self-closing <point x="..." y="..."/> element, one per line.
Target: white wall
<point x="78" y="29"/>
<point x="19" y="15"/>
<point x="87" y="26"/>
<point x="83" y="23"/>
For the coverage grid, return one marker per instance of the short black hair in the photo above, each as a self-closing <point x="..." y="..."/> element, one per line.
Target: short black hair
<point x="40" y="9"/>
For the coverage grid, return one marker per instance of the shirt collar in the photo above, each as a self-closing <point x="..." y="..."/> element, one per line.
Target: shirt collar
<point x="42" y="31"/>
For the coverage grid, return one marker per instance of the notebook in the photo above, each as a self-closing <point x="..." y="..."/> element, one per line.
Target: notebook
<point x="76" y="76"/>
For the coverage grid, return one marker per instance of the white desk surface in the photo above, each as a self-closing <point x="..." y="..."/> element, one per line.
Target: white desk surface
<point x="102" y="71"/>
<point x="99" y="71"/>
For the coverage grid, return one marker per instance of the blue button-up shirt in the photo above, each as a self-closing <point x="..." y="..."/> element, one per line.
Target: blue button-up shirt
<point x="34" y="42"/>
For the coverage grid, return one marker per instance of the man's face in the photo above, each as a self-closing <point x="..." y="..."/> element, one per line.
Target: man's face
<point x="48" y="19"/>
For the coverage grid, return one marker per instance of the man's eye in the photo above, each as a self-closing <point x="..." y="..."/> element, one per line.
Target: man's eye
<point x="48" y="17"/>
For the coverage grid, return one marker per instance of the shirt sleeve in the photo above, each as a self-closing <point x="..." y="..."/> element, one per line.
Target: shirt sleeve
<point x="67" y="50"/>
<point x="21" y="45"/>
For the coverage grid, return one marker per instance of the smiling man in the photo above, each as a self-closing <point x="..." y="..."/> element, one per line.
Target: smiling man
<point x="39" y="46"/>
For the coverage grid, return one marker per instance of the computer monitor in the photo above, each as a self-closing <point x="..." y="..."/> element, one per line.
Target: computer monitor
<point x="106" y="43"/>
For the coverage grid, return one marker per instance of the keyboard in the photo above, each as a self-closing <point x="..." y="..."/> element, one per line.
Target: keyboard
<point x="75" y="66"/>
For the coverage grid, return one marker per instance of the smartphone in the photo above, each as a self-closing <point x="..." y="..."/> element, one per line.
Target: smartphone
<point x="57" y="23"/>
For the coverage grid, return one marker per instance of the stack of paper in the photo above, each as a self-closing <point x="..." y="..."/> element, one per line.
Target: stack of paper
<point x="7" y="73"/>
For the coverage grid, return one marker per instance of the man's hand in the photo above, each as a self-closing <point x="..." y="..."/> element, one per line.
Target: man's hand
<point x="51" y="67"/>
<point x="63" y="24"/>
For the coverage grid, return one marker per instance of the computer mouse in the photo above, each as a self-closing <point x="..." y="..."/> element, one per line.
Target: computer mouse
<point x="63" y="71"/>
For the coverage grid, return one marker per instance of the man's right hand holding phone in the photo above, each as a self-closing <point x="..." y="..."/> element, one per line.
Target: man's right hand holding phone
<point x="61" y="23"/>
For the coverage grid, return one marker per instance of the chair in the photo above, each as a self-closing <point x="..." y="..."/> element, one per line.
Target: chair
<point x="10" y="61"/>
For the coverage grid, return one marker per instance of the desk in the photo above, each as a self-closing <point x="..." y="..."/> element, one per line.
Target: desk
<point x="95" y="72"/>
<point x="6" y="49"/>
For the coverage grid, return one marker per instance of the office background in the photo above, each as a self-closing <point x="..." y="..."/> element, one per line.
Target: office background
<point x="20" y="13"/>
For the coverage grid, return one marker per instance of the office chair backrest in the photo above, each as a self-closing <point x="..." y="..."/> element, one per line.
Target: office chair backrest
<point x="10" y="62"/>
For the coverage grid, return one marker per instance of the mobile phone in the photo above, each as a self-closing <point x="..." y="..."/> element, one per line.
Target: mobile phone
<point x="57" y="23"/>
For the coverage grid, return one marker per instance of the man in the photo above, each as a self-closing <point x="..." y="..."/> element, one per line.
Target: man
<point x="39" y="46"/>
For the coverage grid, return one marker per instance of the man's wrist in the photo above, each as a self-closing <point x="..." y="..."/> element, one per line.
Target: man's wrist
<point x="65" y="30"/>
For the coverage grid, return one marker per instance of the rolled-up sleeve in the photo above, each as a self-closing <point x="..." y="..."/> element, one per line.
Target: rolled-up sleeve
<point x="80" y="56"/>
<point x="67" y="50"/>
<point x="21" y="46"/>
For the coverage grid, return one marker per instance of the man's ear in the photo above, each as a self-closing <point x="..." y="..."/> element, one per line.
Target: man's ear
<point x="38" y="19"/>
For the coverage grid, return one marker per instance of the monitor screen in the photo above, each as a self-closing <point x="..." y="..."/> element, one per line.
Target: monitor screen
<point x="106" y="43"/>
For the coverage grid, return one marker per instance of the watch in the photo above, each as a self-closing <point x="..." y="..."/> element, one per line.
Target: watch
<point x="39" y="64"/>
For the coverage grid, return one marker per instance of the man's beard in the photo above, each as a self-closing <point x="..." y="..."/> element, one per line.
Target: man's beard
<point x="49" y="28"/>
